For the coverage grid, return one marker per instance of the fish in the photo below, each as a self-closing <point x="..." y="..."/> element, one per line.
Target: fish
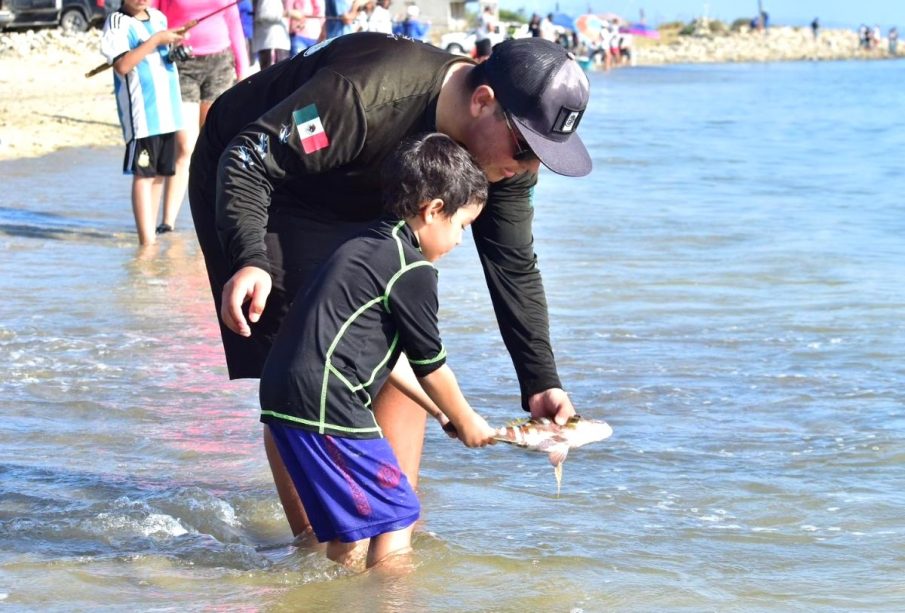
<point x="546" y="436"/>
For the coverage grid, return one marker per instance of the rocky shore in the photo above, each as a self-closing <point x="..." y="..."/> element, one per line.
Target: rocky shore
<point x="777" y="44"/>
<point x="46" y="103"/>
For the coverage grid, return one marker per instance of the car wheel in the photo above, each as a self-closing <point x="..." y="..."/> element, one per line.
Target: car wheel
<point x="72" y="20"/>
<point x="455" y="48"/>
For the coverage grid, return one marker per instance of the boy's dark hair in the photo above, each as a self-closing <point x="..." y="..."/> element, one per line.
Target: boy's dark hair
<point x="431" y="166"/>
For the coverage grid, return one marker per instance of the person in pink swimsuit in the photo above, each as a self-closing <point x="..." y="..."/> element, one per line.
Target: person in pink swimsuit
<point x="216" y="57"/>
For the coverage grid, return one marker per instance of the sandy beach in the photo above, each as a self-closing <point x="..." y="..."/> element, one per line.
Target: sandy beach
<point x="46" y="103"/>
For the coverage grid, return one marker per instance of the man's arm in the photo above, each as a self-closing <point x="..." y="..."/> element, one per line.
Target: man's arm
<point x="256" y="162"/>
<point x="505" y="243"/>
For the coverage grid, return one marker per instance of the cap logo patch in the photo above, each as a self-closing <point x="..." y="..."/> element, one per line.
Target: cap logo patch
<point x="567" y="120"/>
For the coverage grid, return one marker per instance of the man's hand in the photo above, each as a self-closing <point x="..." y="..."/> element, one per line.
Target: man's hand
<point x="249" y="283"/>
<point x="553" y="404"/>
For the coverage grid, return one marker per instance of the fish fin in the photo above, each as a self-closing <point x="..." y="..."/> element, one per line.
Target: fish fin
<point x="557" y="454"/>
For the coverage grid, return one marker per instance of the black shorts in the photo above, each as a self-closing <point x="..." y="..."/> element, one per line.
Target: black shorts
<point x="296" y="247"/>
<point x="152" y="156"/>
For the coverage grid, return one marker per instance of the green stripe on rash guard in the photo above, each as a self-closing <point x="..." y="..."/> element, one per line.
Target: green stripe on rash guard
<point x="380" y="365"/>
<point x="440" y="356"/>
<point x="341" y="377"/>
<point x="321" y="426"/>
<point x="328" y="366"/>
<point x="395" y="234"/>
<point x="394" y="278"/>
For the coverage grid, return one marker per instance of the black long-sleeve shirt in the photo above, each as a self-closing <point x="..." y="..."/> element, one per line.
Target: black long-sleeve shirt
<point x="368" y="91"/>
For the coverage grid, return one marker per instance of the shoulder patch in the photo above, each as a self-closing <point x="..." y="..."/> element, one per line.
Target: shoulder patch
<point x="311" y="130"/>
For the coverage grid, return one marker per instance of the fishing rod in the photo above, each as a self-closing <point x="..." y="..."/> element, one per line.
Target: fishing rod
<point x="191" y="23"/>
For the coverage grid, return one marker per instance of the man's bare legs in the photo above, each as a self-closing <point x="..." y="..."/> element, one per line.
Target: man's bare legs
<point x="403" y="424"/>
<point x="289" y="498"/>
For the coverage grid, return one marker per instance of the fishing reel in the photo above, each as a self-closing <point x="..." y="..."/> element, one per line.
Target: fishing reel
<point x="179" y="53"/>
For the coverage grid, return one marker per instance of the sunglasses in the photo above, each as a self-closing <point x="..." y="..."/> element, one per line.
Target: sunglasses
<point x="523" y="152"/>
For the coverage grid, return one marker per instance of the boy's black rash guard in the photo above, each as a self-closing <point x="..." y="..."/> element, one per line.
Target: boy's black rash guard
<point x="368" y="91"/>
<point x="376" y="297"/>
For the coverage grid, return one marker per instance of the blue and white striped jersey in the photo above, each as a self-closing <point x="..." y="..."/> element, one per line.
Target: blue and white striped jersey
<point x="148" y="97"/>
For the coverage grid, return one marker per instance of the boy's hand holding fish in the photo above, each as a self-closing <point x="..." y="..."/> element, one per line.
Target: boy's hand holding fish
<point x="439" y="389"/>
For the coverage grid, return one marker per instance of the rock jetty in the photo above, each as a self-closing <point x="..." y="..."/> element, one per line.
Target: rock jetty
<point x="776" y="44"/>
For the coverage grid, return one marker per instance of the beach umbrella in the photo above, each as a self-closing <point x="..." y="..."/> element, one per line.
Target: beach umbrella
<point x="588" y="26"/>
<point x="640" y="29"/>
<point x="563" y="21"/>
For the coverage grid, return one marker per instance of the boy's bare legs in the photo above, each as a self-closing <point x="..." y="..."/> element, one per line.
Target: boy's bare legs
<point x="391" y="550"/>
<point x="350" y="555"/>
<point x="176" y="185"/>
<point x="145" y="206"/>
<point x="156" y="190"/>
<point x="403" y="424"/>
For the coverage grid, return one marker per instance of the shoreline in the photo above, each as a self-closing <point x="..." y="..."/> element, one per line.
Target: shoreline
<point x="47" y="104"/>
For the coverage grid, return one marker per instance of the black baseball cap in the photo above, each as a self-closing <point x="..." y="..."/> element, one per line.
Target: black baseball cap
<point x="545" y="91"/>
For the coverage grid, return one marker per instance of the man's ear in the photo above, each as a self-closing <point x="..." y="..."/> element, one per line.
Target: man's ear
<point x="482" y="98"/>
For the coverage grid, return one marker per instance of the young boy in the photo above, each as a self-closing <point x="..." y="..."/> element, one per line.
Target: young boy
<point x="146" y="85"/>
<point x="372" y="301"/>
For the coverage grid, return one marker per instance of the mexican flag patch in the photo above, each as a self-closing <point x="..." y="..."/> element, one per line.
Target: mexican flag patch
<point x="311" y="130"/>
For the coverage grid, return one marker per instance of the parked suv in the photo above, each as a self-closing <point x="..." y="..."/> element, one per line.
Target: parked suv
<point x="72" y="15"/>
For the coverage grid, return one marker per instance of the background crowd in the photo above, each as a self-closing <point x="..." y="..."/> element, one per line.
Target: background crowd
<point x="278" y="29"/>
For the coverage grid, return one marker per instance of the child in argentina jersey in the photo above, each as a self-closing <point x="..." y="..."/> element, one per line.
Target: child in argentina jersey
<point x="147" y="97"/>
<point x="146" y="84"/>
<point x="372" y="301"/>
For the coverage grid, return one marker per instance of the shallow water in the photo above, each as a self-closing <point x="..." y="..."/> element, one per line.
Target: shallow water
<point x="725" y="290"/>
